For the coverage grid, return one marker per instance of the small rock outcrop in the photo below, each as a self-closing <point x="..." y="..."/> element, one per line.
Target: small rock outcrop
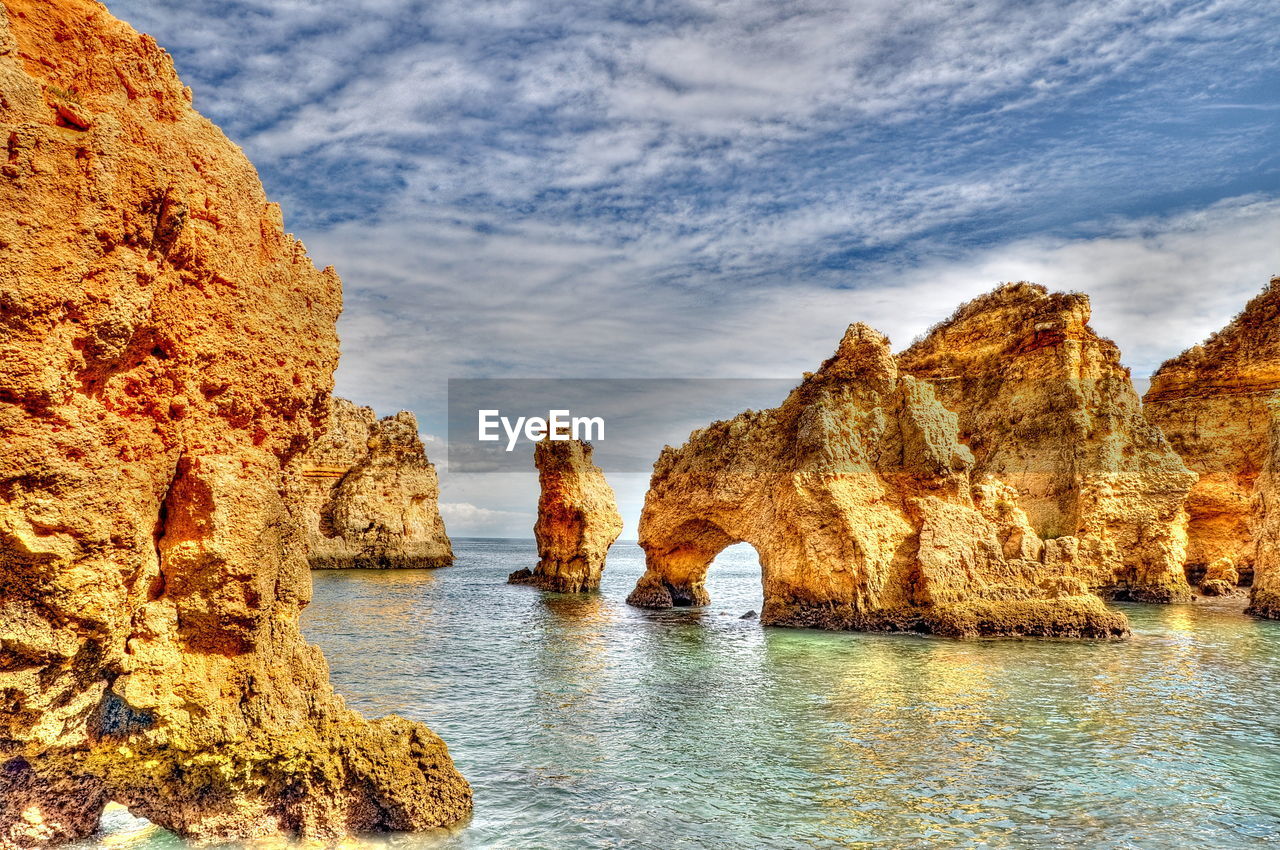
<point x="1047" y="408"/>
<point x="1220" y="578"/>
<point x="166" y="355"/>
<point x="857" y="495"/>
<point x="1213" y="403"/>
<point x="370" y="496"/>
<point x="578" y="519"/>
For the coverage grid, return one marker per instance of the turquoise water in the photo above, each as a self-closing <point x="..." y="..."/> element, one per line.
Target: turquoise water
<point x="581" y="722"/>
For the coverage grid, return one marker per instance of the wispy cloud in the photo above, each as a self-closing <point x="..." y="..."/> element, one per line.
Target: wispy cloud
<point x="464" y="519"/>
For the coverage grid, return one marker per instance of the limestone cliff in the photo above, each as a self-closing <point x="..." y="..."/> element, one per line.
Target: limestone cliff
<point x="166" y="354"/>
<point x="1047" y="407"/>
<point x="578" y="519"/>
<point x="857" y="495"/>
<point x="1264" y="524"/>
<point x="1212" y="402"/>
<point x="370" y="496"/>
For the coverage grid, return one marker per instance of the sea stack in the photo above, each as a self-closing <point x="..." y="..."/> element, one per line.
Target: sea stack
<point x="1047" y="408"/>
<point x="1214" y="403"/>
<point x="168" y="352"/>
<point x="858" y="496"/>
<point x="370" y="495"/>
<point x="578" y="519"/>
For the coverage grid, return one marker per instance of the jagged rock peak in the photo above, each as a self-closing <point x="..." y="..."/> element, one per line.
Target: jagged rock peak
<point x="1047" y="407"/>
<point x="578" y="519"/>
<point x="168" y="351"/>
<point x="369" y="496"/>
<point x="1248" y="343"/>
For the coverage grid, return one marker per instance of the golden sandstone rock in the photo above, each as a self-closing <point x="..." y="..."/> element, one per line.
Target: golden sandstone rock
<point x="1047" y="408"/>
<point x="370" y="496"/>
<point x="857" y="495"/>
<point x="167" y="353"/>
<point x="578" y="519"/>
<point x="1264" y="521"/>
<point x="1220" y="578"/>
<point x="1213" y="402"/>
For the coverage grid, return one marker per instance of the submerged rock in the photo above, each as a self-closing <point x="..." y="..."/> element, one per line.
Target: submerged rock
<point x="578" y="519"/>
<point x="856" y="493"/>
<point x="1047" y="408"/>
<point x="167" y="352"/>
<point x="369" y="496"/>
<point x="1213" y="403"/>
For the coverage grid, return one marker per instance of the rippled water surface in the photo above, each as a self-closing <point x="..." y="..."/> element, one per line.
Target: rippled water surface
<point x="581" y="722"/>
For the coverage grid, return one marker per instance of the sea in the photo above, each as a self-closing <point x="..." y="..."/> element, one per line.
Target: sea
<point x="584" y="723"/>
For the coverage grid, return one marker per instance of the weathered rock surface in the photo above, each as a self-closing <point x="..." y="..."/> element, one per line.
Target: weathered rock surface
<point x="1264" y="525"/>
<point x="1047" y="408"/>
<point x="578" y="519"/>
<point x="370" y="496"/>
<point x="1212" y="402"/>
<point x="1220" y="578"/>
<point x="856" y="493"/>
<point x="166" y="354"/>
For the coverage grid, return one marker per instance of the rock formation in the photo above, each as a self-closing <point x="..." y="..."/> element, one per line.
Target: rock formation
<point x="1212" y="402"/>
<point x="857" y="495"/>
<point x="1220" y="578"/>
<point x="370" y="494"/>
<point x="1264" y="523"/>
<point x="167" y="352"/>
<point x="1047" y="408"/>
<point x="578" y="519"/>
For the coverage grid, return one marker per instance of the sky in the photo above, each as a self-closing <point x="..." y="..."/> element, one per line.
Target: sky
<point x="587" y="188"/>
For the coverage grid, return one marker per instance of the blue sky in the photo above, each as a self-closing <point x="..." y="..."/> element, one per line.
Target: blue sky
<point x="604" y="189"/>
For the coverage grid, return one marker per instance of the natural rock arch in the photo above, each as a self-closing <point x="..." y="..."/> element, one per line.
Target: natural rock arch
<point x="856" y="494"/>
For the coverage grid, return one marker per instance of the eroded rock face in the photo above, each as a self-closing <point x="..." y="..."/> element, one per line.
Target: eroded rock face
<point x="370" y="496"/>
<point x="857" y="495"/>
<point x="1264" y="525"/>
<point x="166" y="354"/>
<point x="1212" y="402"/>
<point x="1047" y="407"/>
<point x="578" y="519"/>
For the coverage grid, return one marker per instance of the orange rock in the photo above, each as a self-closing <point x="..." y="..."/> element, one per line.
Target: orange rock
<point x="369" y="496"/>
<point x="856" y="493"/>
<point x="1213" y="403"/>
<point x="1264" y="525"/>
<point x="1047" y="407"/>
<point x="161" y="370"/>
<point x="578" y="519"/>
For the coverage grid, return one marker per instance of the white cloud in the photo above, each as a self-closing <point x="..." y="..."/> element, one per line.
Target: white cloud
<point x="463" y="519"/>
